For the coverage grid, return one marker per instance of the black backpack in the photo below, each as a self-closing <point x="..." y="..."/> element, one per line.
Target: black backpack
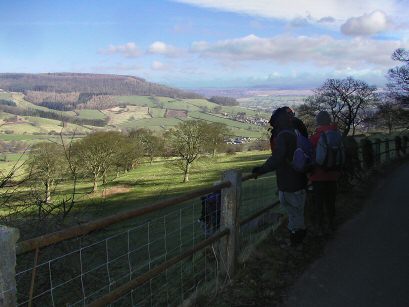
<point x="210" y="217"/>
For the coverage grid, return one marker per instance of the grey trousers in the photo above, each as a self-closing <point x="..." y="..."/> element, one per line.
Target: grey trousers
<point x="293" y="203"/>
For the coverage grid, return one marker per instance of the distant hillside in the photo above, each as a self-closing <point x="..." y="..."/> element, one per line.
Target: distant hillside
<point x="88" y="83"/>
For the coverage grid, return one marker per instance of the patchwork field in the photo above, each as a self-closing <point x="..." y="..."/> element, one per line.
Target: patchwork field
<point x="131" y="112"/>
<point x="119" y="115"/>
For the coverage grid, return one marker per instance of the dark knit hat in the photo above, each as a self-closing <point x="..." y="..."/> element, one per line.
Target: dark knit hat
<point x="323" y="118"/>
<point x="280" y="112"/>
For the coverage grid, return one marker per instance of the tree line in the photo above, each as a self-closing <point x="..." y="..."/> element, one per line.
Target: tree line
<point x="49" y="178"/>
<point x="88" y="83"/>
<point x="355" y="104"/>
<point x="54" y="115"/>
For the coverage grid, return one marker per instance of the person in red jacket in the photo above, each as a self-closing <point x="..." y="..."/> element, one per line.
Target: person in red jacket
<point x="324" y="181"/>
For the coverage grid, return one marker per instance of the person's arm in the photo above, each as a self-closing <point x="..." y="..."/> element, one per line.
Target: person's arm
<point x="277" y="157"/>
<point x="300" y="126"/>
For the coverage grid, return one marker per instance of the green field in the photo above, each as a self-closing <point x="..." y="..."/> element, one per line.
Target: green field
<point x="132" y="112"/>
<point x="157" y="124"/>
<point x="152" y="238"/>
<point x="91" y="114"/>
<point x="150" y="182"/>
<point x="5" y="96"/>
<point x="156" y="112"/>
<point x="136" y="100"/>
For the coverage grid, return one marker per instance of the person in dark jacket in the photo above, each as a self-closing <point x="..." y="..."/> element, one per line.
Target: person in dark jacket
<point x="324" y="181"/>
<point x="296" y="123"/>
<point x="291" y="184"/>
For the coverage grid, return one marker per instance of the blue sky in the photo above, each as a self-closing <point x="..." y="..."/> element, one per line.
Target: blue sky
<point x="206" y="43"/>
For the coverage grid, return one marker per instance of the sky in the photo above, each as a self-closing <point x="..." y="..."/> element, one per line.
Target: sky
<point x="292" y="44"/>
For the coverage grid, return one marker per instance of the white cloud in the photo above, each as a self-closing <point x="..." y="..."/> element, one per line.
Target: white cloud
<point x="129" y="50"/>
<point x="327" y="19"/>
<point x="365" y="25"/>
<point x="164" y="49"/>
<point x="291" y="9"/>
<point x="157" y="65"/>
<point x="323" y="51"/>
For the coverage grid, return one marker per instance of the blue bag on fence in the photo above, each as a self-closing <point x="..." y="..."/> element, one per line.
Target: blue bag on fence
<point x="210" y="217"/>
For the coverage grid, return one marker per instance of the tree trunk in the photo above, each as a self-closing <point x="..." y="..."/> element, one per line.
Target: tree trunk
<point x="346" y="130"/>
<point x="186" y="172"/>
<point x="214" y="152"/>
<point x="104" y="178"/>
<point x="47" y="192"/>
<point x="95" y="187"/>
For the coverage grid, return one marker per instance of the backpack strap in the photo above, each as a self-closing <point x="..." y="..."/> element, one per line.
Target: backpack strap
<point x="288" y="131"/>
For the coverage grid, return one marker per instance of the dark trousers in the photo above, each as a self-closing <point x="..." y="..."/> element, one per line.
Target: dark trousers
<point x="324" y="202"/>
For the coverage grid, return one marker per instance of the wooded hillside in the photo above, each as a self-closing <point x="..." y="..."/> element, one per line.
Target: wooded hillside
<point x="88" y="83"/>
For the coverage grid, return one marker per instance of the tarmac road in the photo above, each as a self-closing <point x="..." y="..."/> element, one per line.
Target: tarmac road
<point x="367" y="262"/>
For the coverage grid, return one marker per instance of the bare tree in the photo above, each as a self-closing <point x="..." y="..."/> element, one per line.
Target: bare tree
<point x="152" y="144"/>
<point x="46" y="165"/>
<point x="346" y="100"/>
<point x="398" y="77"/>
<point x="101" y="152"/>
<point x="391" y="115"/>
<point x="215" y="136"/>
<point x="187" y="141"/>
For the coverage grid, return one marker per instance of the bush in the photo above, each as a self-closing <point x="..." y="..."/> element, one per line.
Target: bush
<point x="224" y="101"/>
<point x="8" y="102"/>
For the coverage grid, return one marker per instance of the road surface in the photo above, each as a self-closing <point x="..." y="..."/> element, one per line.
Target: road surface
<point x="367" y="263"/>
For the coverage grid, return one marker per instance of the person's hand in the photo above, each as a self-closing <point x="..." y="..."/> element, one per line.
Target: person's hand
<point x="256" y="171"/>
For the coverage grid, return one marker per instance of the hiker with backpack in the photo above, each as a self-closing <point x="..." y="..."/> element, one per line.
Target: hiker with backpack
<point x="329" y="160"/>
<point x="296" y="123"/>
<point x="290" y="158"/>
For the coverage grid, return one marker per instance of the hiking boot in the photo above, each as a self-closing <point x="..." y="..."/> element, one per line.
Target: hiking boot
<point x="284" y="244"/>
<point x="297" y="236"/>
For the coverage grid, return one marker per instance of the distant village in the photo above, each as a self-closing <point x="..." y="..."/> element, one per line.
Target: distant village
<point x="241" y="117"/>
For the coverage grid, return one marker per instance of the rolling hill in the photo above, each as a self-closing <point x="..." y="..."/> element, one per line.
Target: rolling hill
<point x="44" y="104"/>
<point x="88" y="83"/>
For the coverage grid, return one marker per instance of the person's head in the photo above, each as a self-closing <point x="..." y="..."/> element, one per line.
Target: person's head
<point x="281" y="118"/>
<point x="323" y="118"/>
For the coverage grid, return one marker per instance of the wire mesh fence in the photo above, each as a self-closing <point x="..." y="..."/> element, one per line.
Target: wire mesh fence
<point x="76" y="272"/>
<point x="258" y="195"/>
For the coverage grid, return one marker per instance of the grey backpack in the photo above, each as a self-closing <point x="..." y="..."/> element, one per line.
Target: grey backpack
<point x="330" y="152"/>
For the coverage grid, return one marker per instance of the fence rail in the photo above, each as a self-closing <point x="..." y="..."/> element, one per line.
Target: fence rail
<point x="136" y="264"/>
<point x="76" y="231"/>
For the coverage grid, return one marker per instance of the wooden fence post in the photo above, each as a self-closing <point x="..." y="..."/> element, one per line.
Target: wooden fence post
<point x="230" y="219"/>
<point x="8" y="291"/>
<point x="404" y="144"/>
<point x="367" y="154"/>
<point x="387" y="152"/>
<point x="378" y="151"/>
<point x="398" y="146"/>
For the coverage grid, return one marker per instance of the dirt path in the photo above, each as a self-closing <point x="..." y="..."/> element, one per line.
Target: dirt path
<point x="367" y="262"/>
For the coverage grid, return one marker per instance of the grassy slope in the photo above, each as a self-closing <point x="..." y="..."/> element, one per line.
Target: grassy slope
<point x="136" y="100"/>
<point x="18" y="98"/>
<point x="136" y="117"/>
<point x="90" y="114"/>
<point x="31" y="125"/>
<point x="152" y="123"/>
<point x="160" y="180"/>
